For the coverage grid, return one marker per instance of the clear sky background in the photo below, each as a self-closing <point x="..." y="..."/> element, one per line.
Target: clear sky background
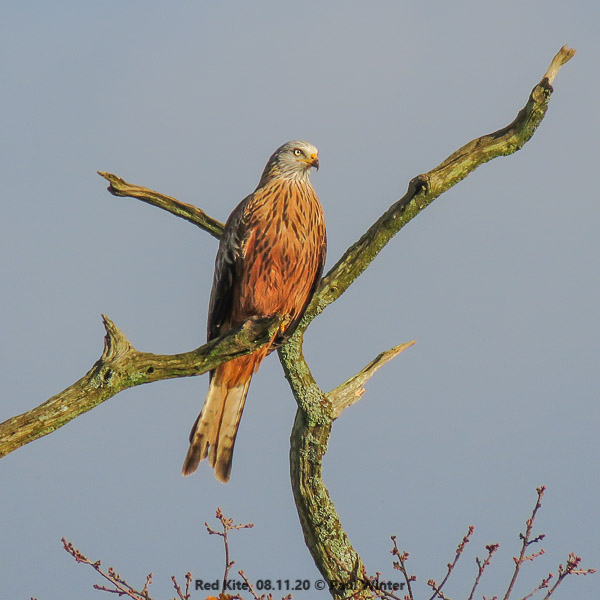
<point x="497" y="281"/>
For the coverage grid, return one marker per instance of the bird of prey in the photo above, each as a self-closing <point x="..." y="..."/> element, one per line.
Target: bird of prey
<point x="269" y="262"/>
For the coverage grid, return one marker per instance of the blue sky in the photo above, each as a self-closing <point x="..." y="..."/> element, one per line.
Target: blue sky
<point x="497" y="281"/>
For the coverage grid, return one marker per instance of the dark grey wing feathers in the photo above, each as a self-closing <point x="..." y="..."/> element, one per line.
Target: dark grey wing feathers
<point x="227" y="266"/>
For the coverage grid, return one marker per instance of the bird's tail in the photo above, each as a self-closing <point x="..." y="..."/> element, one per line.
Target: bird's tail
<point x="214" y="431"/>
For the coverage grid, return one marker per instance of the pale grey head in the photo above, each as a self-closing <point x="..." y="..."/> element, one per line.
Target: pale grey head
<point x="292" y="160"/>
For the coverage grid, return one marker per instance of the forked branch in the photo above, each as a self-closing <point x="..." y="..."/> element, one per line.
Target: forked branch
<point x="323" y="531"/>
<point x="121" y="366"/>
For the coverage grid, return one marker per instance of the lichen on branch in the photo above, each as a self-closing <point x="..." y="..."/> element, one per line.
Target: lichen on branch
<point x="121" y="366"/>
<point x="323" y="532"/>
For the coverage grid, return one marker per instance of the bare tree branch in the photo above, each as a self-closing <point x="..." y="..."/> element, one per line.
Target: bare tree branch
<point x="193" y="214"/>
<point x="437" y="589"/>
<point x="425" y="188"/>
<point x="526" y="539"/>
<point x="120" y="587"/>
<point x="351" y="391"/>
<point x="120" y="367"/>
<point x="323" y="532"/>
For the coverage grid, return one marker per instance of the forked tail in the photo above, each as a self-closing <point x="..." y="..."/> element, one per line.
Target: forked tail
<point x="215" y="429"/>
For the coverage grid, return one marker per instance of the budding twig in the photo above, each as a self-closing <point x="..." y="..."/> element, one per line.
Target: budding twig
<point x="437" y="589"/>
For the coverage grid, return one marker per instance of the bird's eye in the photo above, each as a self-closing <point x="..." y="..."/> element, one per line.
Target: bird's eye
<point x="297" y="152"/>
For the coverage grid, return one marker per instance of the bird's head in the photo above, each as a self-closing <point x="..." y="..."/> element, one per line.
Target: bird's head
<point x="293" y="160"/>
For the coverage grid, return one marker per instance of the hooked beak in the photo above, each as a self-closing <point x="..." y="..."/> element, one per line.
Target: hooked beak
<point x="314" y="161"/>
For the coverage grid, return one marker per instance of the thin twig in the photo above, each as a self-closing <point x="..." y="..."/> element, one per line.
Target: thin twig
<point x="459" y="550"/>
<point x="526" y="542"/>
<point x="541" y="586"/>
<point x="401" y="566"/>
<point x="437" y="590"/>
<point x="188" y="582"/>
<point x="571" y="569"/>
<point x="481" y="566"/>
<point x="227" y="525"/>
<point x="121" y="587"/>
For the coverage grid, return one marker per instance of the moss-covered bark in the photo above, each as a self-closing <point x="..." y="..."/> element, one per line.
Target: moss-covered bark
<point x="121" y="366"/>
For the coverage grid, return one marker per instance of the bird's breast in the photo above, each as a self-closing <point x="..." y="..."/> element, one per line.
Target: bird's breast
<point x="284" y="248"/>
